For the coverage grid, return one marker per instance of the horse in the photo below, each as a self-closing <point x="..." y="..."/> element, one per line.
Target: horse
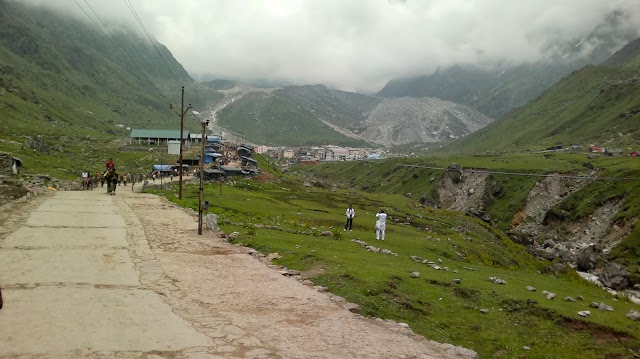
<point x="86" y="181"/>
<point x="111" y="177"/>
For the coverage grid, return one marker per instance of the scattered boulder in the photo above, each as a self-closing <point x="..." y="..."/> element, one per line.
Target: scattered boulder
<point x="603" y="307"/>
<point x="587" y="259"/>
<point x="551" y="296"/>
<point x="559" y="267"/>
<point x="584" y="313"/>
<point x="415" y="275"/>
<point x="457" y="281"/>
<point x="633" y="315"/>
<point x="484" y="311"/>
<point x="615" y="276"/>
<point x="326" y="233"/>
<point x="569" y="299"/>
<point x="482" y="215"/>
<point x="531" y="289"/>
<point x="497" y="280"/>
<point x="454" y="171"/>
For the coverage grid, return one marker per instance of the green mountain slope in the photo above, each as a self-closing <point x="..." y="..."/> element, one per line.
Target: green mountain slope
<point x="271" y="119"/>
<point x="595" y="105"/>
<point x="73" y="84"/>
<point x="358" y="120"/>
<point x="344" y="109"/>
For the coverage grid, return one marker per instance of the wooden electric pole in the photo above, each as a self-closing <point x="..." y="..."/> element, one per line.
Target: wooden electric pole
<point x="183" y="111"/>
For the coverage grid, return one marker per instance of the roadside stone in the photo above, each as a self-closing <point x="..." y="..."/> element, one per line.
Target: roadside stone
<point x="321" y="289"/>
<point x="272" y="256"/>
<point x="353" y="308"/>
<point x="337" y="299"/>
<point x="291" y="272"/>
<point x="212" y="222"/>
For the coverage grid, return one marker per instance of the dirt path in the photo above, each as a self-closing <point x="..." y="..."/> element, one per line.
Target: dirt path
<point x="86" y="275"/>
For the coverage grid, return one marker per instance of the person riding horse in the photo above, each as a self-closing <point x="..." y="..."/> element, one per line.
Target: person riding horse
<point x="111" y="178"/>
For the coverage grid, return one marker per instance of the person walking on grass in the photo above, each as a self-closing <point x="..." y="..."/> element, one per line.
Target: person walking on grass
<point x="350" y="214"/>
<point x="381" y="224"/>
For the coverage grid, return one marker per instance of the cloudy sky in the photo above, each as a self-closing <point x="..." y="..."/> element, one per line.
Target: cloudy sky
<point x="355" y="44"/>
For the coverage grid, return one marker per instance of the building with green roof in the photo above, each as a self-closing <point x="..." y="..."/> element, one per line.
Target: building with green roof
<point x="157" y="137"/>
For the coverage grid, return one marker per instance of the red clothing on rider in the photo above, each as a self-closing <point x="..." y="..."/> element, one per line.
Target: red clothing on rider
<point x="110" y="164"/>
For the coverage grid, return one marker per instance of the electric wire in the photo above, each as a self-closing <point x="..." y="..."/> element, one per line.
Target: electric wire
<point x="117" y="43"/>
<point x="90" y="18"/>
<point x="523" y="174"/>
<point x="135" y="15"/>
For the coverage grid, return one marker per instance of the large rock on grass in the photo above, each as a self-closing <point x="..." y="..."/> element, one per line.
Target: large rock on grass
<point x="615" y="276"/>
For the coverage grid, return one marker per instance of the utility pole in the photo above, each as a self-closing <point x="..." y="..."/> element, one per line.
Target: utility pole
<point x="201" y="207"/>
<point x="181" y="114"/>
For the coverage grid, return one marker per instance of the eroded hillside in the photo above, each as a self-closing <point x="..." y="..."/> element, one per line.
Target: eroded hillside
<point x="585" y="218"/>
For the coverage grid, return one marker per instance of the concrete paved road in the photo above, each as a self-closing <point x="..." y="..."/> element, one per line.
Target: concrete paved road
<point x="70" y="286"/>
<point x="86" y="275"/>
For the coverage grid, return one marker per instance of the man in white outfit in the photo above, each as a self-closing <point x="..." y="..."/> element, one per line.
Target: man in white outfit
<point x="381" y="224"/>
<point x="350" y="214"/>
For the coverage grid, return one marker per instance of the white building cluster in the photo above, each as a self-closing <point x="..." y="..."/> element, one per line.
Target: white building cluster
<point x="319" y="154"/>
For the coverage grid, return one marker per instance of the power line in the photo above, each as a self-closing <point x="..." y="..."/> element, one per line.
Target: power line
<point x="529" y="174"/>
<point x="135" y="15"/>
<point x="94" y="23"/>
<point x="115" y="41"/>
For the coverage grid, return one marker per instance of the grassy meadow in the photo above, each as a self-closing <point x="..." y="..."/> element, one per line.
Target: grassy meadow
<point x="281" y="215"/>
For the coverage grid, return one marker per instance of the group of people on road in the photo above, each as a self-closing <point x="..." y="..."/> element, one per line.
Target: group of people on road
<point x="380" y="226"/>
<point x="109" y="176"/>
